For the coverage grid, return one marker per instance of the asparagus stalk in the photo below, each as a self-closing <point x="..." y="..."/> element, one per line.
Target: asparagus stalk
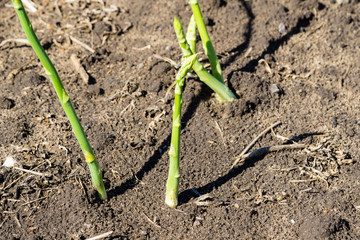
<point x="206" y="42"/>
<point x="171" y="196"/>
<point x="218" y="87"/>
<point x="50" y="70"/>
<point x="191" y="34"/>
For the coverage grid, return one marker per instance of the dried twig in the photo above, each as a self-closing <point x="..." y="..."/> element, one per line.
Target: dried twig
<point x="80" y="69"/>
<point x="265" y="150"/>
<point x="17" y="220"/>
<point x="221" y="132"/>
<point x="267" y="67"/>
<point x="16" y="71"/>
<point x="282" y="138"/>
<point x="303" y="181"/>
<point x="103" y="235"/>
<point x="164" y="99"/>
<point x="248" y="51"/>
<point x="10" y="162"/>
<point x="36" y="200"/>
<point x="142" y="48"/>
<point x="152" y="222"/>
<point x="275" y="148"/>
<point x="237" y="159"/>
<point x="29" y="5"/>
<point x="16" y="180"/>
<point x="83" y="188"/>
<point x="172" y="62"/>
<point x="57" y="8"/>
<point x="87" y="47"/>
<point x="204" y="200"/>
<point x="130" y="106"/>
<point x="29" y="171"/>
<point x="18" y="40"/>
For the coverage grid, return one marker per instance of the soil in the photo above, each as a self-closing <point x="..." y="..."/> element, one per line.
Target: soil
<point x="291" y="61"/>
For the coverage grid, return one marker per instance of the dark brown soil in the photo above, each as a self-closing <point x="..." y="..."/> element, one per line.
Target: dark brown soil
<point x="292" y="61"/>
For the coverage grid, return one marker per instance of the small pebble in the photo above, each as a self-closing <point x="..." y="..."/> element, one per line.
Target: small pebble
<point x="9" y="162"/>
<point x="6" y="103"/>
<point x="142" y="232"/>
<point x="282" y="28"/>
<point x="334" y="122"/>
<point x="350" y="132"/>
<point x="343" y="1"/>
<point x="196" y="223"/>
<point x="338" y="137"/>
<point x="274" y="89"/>
<point x="87" y="225"/>
<point x="169" y="48"/>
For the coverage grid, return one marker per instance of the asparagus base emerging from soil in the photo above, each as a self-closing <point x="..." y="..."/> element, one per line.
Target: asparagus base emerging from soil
<point x="206" y="42"/>
<point x="171" y="197"/>
<point x="218" y="87"/>
<point x="64" y="99"/>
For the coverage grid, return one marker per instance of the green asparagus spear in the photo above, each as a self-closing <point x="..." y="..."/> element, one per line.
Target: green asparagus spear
<point x="191" y="34"/>
<point x="64" y="99"/>
<point x="171" y="197"/>
<point x="218" y="87"/>
<point x="205" y="39"/>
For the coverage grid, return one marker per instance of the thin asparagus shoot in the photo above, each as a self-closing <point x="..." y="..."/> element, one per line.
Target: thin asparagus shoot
<point x="206" y="42"/>
<point x="50" y="70"/>
<point x="191" y="34"/>
<point x="171" y="196"/>
<point x="218" y="87"/>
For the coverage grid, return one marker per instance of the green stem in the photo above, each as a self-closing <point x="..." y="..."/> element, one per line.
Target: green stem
<point x="191" y="34"/>
<point x="64" y="99"/>
<point x="218" y="87"/>
<point x="172" y="185"/>
<point x="206" y="42"/>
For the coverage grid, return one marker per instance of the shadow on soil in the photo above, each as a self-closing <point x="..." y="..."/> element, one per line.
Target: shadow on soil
<point x="154" y="159"/>
<point x="275" y="44"/>
<point x="187" y="195"/>
<point x="235" y="52"/>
